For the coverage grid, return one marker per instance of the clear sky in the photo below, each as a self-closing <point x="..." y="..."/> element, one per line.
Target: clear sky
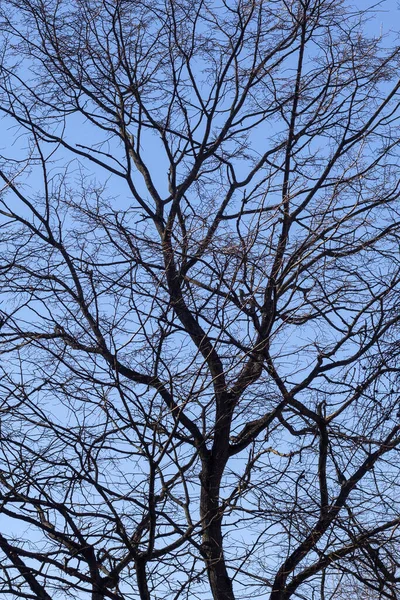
<point x="387" y="15"/>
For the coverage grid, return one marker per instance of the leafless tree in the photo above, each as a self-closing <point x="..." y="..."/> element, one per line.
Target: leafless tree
<point x="199" y="283"/>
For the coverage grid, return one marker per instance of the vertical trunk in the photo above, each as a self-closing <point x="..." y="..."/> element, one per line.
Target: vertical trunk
<point x="141" y="578"/>
<point x="220" y="582"/>
<point x="278" y="593"/>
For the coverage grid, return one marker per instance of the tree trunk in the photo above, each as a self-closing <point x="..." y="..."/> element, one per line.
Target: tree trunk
<point x="212" y="546"/>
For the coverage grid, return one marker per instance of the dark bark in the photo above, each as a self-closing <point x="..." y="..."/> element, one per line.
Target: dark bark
<point x="199" y="310"/>
<point x="142" y="580"/>
<point x="212" y="538"/>
<point x="26" y="572"/>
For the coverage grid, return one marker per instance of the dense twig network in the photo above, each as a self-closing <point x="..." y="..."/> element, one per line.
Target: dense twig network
<point x="200" y="284"/>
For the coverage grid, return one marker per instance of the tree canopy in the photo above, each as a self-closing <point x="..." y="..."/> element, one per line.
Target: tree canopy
<point x="199" y="287"/>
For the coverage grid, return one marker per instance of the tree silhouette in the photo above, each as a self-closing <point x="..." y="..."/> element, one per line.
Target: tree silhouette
<point x="199" y="285"/>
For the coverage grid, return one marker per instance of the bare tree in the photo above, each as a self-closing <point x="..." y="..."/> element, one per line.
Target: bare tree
<point x="200" y="284"/>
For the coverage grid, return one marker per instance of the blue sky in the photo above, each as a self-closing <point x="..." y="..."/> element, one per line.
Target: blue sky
<point x="385" y="20"/>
